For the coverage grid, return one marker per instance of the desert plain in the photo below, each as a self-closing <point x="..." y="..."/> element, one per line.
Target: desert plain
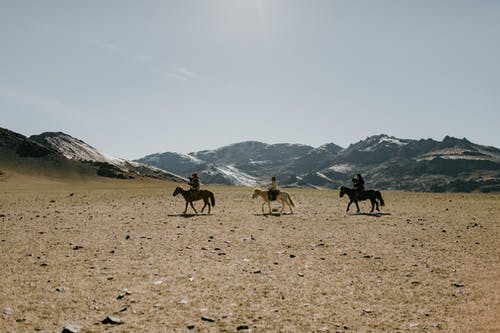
<point x="119" y="256"/>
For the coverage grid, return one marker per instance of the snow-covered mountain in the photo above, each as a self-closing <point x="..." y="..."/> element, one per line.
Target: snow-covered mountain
<point x="386" y="162"/>
<point x="249" y="163"/>
<point x="75" y="149"/>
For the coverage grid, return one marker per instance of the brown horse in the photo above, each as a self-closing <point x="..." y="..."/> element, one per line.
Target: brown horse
<point x="191" y="196"/>
<point x="355" y="196"/>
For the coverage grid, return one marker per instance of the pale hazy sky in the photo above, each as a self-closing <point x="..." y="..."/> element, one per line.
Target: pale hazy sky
<point x="133" y="78"/>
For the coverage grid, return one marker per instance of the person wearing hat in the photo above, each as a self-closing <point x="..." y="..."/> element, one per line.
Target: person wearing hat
<point x="273" y="190"/>
<point x="358" y="183"/>
<point x="194" y="182"/>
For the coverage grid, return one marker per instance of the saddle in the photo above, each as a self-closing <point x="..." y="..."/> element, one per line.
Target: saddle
<point x="194" y="194"/>
<point x="361" y="194"/>
<point x="273" y="194"/>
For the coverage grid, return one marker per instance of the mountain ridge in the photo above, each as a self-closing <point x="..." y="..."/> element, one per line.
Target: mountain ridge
<point x="386" y="162"/>
<point x="52" y="151"/>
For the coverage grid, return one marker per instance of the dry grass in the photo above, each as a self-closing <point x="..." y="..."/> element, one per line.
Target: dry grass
<point x="77" y="253"/>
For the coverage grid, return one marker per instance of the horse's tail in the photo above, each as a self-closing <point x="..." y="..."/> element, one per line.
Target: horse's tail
<point x="212" y="198"/>
<point x="291" y="201"/>
<point x="379" y="195"/>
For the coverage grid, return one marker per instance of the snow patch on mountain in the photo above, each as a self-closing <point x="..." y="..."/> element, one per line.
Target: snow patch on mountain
<point x="393" y="141"/>
<point x="324" y="176"/>
<point x="460" y="154"/>
<point x="341" y="168"/>
<point x="75" y="149"/>
<point x="238" y="177"/>
<point x="191" y="158"/>
<point x="372" y="143"/>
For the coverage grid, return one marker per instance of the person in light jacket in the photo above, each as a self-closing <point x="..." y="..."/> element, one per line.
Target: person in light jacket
<point x="273" y="189"/>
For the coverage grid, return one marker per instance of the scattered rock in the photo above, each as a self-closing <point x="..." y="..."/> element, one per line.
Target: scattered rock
<point x="112" y="321"/>
<point x="72" y="328"/>
<point x="210" y="320"/>
<point x="77" y="247"/>
<point x="242" y="327"/>
<point x="458" y="285"/>
<point x="7" y="312"/>
<point x="366" y="312"/>
<point x="190" y="327"/>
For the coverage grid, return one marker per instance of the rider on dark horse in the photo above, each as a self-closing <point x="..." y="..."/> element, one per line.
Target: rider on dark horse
<point x="194" y="182"/>
<point x="273" y="190"/>
<point x="358" y="183"/>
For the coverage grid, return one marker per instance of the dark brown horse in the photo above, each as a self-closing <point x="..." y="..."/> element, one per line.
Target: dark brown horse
<point x="355" y="196"/>
<point x="193" y="196"/>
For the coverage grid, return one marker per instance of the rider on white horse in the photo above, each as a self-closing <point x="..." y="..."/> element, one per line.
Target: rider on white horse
<point x="273" y="189"/>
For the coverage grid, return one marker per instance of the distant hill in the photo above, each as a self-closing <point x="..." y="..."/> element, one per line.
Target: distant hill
<point x="58" y="154"/>
<point x="386" y="162"/>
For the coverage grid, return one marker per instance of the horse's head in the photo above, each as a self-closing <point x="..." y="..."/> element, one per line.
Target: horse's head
<point x="256" y="193"/>
<point x="342" y="191"/>
<point x="177" y="191"/>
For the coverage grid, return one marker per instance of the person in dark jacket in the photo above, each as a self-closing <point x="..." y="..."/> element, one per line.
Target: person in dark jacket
<point x="358" y="183"/>
<point x="194" y="183"/>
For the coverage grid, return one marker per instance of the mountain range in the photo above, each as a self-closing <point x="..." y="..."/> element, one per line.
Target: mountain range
<point x="386" y="163"/>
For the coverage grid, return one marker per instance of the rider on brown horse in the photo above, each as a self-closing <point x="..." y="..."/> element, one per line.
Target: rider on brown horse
<point x="194" y="182"/>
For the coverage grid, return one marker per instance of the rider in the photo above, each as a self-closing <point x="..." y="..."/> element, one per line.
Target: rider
<point x="358" y="182"/>
<point x="194" y="182"/>
<point x="273" y="189"/>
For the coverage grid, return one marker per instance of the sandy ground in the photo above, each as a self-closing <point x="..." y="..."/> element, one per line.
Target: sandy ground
<point x="77" y="254"/>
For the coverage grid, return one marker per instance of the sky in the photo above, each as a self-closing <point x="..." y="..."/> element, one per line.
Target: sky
<point x="133" y="78"/>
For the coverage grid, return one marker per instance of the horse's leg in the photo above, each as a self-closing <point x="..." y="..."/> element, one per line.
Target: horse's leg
<point x="269" y="205"/>
<point x="349" y="205"/>
<point x="191" y="203"/>
<point x="186" y="208"/>
<point x="205" y="201"/>
<point x="357" y="206"/>
<point x="289" y="203"/>
<point x="263" y="207"/>
<point x="373" y="205"/>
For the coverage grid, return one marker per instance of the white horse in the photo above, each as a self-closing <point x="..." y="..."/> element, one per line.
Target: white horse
<point x="282" y="197"/>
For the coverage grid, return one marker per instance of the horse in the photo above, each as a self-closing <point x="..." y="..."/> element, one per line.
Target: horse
<point x="192" y="196"/>
<point x="355" y="196"/>
<point x="283" y="197"/>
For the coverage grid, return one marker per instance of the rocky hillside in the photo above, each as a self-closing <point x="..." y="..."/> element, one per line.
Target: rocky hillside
<point x="58" y="153"/>
<point x="387" y="163"/>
